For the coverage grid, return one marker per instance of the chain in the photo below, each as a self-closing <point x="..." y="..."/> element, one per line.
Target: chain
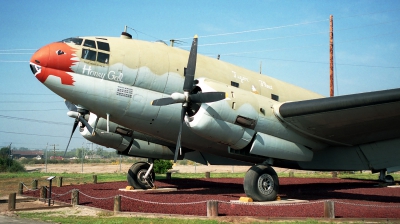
<point x="374" y="206"/>
<point x="94" y="197"/>
<point x="163" y="203"/>
<point x="271" y="204"/>
<point x="28" y="188"/>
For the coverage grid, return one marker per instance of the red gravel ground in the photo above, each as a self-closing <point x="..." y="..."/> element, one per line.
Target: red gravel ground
<point x="353" y="198"/>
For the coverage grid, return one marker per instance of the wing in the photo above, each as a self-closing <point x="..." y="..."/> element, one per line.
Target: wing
<point x="346" y="120"/>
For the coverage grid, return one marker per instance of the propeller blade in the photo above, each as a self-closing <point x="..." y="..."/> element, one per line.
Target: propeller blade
<point x="178" y="143"/>
<point x="163" y="101"/>
<point x="72" y="133"/>
<point x="191" y="67"/>
<point x="70" y="106"/>
<point x="207" y="97"/>
<point x="84" y="122"/>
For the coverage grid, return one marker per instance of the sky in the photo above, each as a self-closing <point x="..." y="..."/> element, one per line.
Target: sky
<point x="290" y="39"/>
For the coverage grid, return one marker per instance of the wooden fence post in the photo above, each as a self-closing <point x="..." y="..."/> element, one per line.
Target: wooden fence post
<point x="12" y="199"/>
<point x="43" y="192"/>
<point x="117" y="203"/>
<point x="212" y="208"/>
<point x="329" y="209"/>
<point x="168" y="176"/>
<point x="75" y="197"/>
<point x="34" y="184"/>
<point x="59" y="181"/>
<point x="207" y="174"/>
<point x="20" y="188"/>
<point x="95" y="179"/>
<point x="291" y="174"/>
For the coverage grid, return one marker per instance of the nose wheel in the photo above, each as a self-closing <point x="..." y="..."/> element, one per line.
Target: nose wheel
<point x="136" y="176"/>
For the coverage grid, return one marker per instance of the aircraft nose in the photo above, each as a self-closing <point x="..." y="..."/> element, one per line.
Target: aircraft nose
<point x="41" y="56"/>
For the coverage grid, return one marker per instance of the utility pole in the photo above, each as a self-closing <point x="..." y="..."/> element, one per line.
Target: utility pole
<point x="54" y="150"/>
<point x="10" y="155"/>
<point x="331" y="55"/>
<point x="260" y="67"/>
<point x="172" y="41"/>
<point x="45" y="156"/>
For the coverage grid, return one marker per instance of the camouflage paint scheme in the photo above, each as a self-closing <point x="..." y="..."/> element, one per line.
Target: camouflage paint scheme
<point x="139" y="72"/>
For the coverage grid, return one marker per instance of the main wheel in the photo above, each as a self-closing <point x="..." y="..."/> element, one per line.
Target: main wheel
<point x="136" y="174"/>
<point x="261" y="183"/>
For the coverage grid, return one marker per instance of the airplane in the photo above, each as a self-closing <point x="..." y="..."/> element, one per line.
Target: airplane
<point x="147" y="99"/>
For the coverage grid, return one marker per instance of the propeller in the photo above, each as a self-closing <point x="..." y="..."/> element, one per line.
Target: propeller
<point x="79" y="117"/>
<point x="187" y="97"/>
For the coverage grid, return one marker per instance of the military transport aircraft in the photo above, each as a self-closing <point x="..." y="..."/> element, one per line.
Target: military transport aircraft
<point x="127" y="94"/>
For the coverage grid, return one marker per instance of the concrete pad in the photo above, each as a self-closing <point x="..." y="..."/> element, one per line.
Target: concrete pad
<point x="394" y="186"/>
<point x="150" y="190"/>
<point x="282" y="201"/>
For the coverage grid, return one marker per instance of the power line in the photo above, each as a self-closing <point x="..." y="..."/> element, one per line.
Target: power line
<point x="33" y="120"/>
<point x="36" y="110"/>
<point x="20" y="133"/>
<point x="255" y="30"/>
<point x="255" y="40"/>
<point x="30" y="101"/>
<point x="315" y="62"/>
<point x="30" y="94"/>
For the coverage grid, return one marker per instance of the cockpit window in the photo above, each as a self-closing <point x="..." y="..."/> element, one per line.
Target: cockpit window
<point x="103" y="57"/>
<point x="77" y="41"/>
<point x="89" y="54"/>
<point x="103" y="46"/>
<point x="90" y="43"/>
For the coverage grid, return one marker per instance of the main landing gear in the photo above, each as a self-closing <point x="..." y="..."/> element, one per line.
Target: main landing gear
<point x="261" y="183"/>
<point x="141" y="175"/>
<point x="385" y="178"/>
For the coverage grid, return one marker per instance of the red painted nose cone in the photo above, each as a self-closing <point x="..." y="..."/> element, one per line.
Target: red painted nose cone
<point x="41" y="56"/>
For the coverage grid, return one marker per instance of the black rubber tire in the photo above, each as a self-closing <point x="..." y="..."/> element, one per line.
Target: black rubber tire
<point x="136" y="173"/>
<point x="389" y="179"/>
<point x="261" y="183"/>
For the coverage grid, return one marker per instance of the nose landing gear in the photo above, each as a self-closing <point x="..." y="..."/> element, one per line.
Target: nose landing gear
<point x="141" y="175"/>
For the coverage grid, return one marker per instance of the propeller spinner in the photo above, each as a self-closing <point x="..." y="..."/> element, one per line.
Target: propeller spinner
<point x="187" y="96"/>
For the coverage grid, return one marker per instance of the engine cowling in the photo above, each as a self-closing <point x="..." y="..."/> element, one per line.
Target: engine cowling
<point x="118" y="137"/>
<point x="125" y="141"/>
<point x="230" y="121"/>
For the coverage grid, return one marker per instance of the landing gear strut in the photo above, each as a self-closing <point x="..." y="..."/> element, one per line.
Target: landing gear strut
<point x="261" y="183"/>
<point x="141" y="175"/>
<point x="385" y="178"/>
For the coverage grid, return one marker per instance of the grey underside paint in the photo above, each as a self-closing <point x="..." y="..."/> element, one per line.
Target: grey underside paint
<point x="373" y="156"/>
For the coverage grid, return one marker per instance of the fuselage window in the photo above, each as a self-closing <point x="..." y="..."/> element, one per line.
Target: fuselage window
<point x="89" y="54"/>
<point x="235" y="84"/>
<point x="103" y="57"/>
<point x="275" y="97"/>
<point x="103" y="46"/>
<point x="90" y="43"/>
<point x="77" y="41"/>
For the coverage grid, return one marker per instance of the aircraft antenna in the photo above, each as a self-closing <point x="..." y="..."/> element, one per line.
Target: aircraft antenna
<point x="331" y="55"/>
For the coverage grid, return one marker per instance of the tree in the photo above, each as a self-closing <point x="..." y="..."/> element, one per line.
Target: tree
<point x="162" y="166"/>
<point x="5" y="152"/>
<point x="99" y="151"/>
<point x="79" y="152"/>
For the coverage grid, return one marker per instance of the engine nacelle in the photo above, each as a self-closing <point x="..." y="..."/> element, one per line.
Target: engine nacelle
<point x="118" y="137"/>
<point x="230" y="121"/>
<point x="122" y="139"/>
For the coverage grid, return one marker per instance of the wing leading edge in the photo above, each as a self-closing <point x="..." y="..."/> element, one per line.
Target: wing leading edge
<point x="346" y="120"/>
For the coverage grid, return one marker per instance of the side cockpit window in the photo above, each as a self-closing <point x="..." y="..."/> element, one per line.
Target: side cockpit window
<point x="103" y="58"/>
<point x="75" y="40"/>
<point x="89" y="54"/>
<point x="90" y="43"/>
<point x="103" y="46"/>
<point x="93" y="52"/>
